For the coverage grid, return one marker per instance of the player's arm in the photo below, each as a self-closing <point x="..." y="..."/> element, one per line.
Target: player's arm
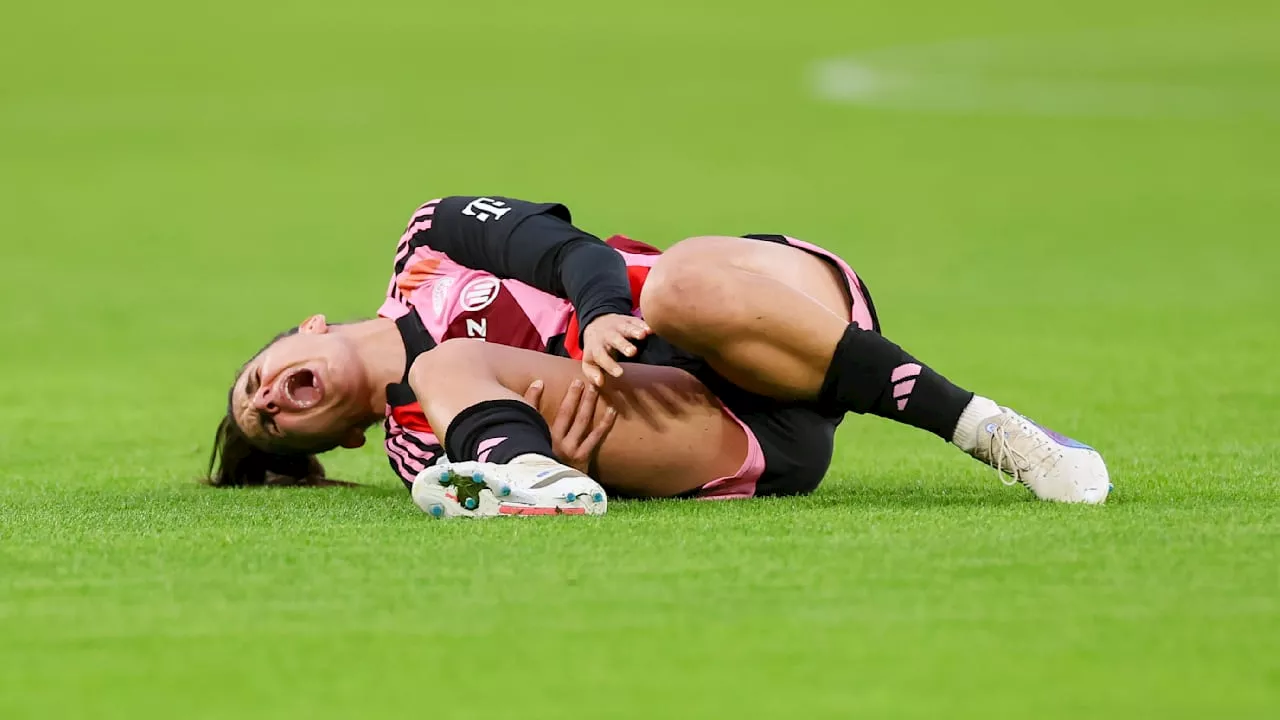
<point x="537" y="244"/>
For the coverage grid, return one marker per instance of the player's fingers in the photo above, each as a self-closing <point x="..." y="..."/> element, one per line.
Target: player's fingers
<point x="592" y="372"/>
<point x="637" y="329"/>
<point x="534" y="394"/>
<point x="622" y="345"/>
<point x="582" y="420"/>
<point x="606" y="363"/>
<point x="604" y="423"/>
<point x="568" y="408"/>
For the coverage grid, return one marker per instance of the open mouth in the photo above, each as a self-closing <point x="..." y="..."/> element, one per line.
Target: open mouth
<point x="303" y="388"/>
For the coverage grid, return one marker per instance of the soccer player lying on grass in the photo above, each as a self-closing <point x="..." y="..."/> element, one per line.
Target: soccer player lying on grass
<point x="746" y="352"/>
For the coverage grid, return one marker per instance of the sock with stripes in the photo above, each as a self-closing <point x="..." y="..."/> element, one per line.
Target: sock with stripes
<point x="870" y="374"/>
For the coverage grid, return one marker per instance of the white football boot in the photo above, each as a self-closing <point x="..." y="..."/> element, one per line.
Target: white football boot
<point x="1052" y="465"/>
<point x="528" y="485"/>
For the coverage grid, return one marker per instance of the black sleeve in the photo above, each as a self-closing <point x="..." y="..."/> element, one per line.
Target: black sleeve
<point x="535" y="243"/>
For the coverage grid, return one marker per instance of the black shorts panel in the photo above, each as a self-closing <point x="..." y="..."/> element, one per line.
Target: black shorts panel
<point x="796" y="438"/>
<point x="798" y="444"/>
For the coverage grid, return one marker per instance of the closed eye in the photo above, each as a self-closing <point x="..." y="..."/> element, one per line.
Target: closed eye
<point x="252" y="383"/>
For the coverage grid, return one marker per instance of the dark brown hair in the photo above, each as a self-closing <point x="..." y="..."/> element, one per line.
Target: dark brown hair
<point x="236" y="462"/>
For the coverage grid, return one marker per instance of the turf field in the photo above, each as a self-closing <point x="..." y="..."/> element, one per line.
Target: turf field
<point x="1071" y="207"/>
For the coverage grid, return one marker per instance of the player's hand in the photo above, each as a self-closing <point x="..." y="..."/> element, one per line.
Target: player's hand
<point x="581" y="423"/>
<point x="606" y="335"/>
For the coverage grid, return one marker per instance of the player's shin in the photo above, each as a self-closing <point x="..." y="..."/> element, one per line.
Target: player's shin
<point x="497" y="431"/>
<point x="871" y="374"/>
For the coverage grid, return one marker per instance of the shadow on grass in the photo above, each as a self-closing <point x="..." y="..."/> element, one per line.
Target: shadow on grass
<point x="844" y="496"/>
<point x="920" y="496"/>
<point x="827" y="496"/>
<point x="832" y="495"/>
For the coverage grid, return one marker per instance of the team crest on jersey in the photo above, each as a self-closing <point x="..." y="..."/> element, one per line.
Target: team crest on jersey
<point x="479" y="293"/>
<point x="440" y="294"/>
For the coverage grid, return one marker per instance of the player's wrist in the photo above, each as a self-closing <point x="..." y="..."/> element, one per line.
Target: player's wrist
<point x="587" y="318"/>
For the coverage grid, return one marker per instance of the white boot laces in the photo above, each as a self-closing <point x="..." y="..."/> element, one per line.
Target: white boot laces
<point x="1000" y="449"/>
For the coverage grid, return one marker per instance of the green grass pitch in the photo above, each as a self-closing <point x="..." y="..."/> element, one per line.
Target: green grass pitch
<point x="1071" y="207"/>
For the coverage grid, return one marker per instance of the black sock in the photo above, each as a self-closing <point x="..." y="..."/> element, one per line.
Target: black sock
<point x="497" y="431"/>
<point x="870" y="374"/>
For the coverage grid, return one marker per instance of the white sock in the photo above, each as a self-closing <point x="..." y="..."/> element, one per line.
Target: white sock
<point x="978" y="409"/>
<point x="532" y="459"/>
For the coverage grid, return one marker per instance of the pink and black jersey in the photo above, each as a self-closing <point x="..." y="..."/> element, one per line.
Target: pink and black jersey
<point x="500" y="270"/>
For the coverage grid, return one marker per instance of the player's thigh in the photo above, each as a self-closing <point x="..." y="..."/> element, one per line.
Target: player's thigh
<point x="671" y="434"/>
<point x="798" y="269"/>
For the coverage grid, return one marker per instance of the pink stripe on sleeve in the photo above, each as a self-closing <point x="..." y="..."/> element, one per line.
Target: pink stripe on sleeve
<point x="419" y="221"/>
<point x="396" y="449"/>
<point x="416" y="452"/>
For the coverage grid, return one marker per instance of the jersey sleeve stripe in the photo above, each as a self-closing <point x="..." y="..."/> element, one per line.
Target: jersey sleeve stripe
<point x="420" y="221"/>
<point x="393" y="290"/>
<point x="418" y="455"/>
<point x="412" y="465"/>
<point x="431" y="450"/>
<point x="402" y="461"/>
<point x="398" y="468"/>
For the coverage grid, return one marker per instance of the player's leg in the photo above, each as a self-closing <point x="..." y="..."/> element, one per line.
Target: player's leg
<point x="766" y="316"/>
<point x="772" y="318"/>
<point x="781" y="321"/>
<point x="671" y="435"/>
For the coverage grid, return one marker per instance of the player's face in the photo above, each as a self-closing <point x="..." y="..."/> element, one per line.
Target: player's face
<point x="305" y="392"/>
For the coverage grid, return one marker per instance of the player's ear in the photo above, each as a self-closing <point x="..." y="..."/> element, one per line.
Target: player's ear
<point x="353" y="438"/>
<point x="314" y="325"/>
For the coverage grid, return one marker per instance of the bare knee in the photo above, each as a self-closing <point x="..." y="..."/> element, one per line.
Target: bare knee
<point x="691" y="295"/>
<point x="444" y="363"/>
<point x="719" y="276"/>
